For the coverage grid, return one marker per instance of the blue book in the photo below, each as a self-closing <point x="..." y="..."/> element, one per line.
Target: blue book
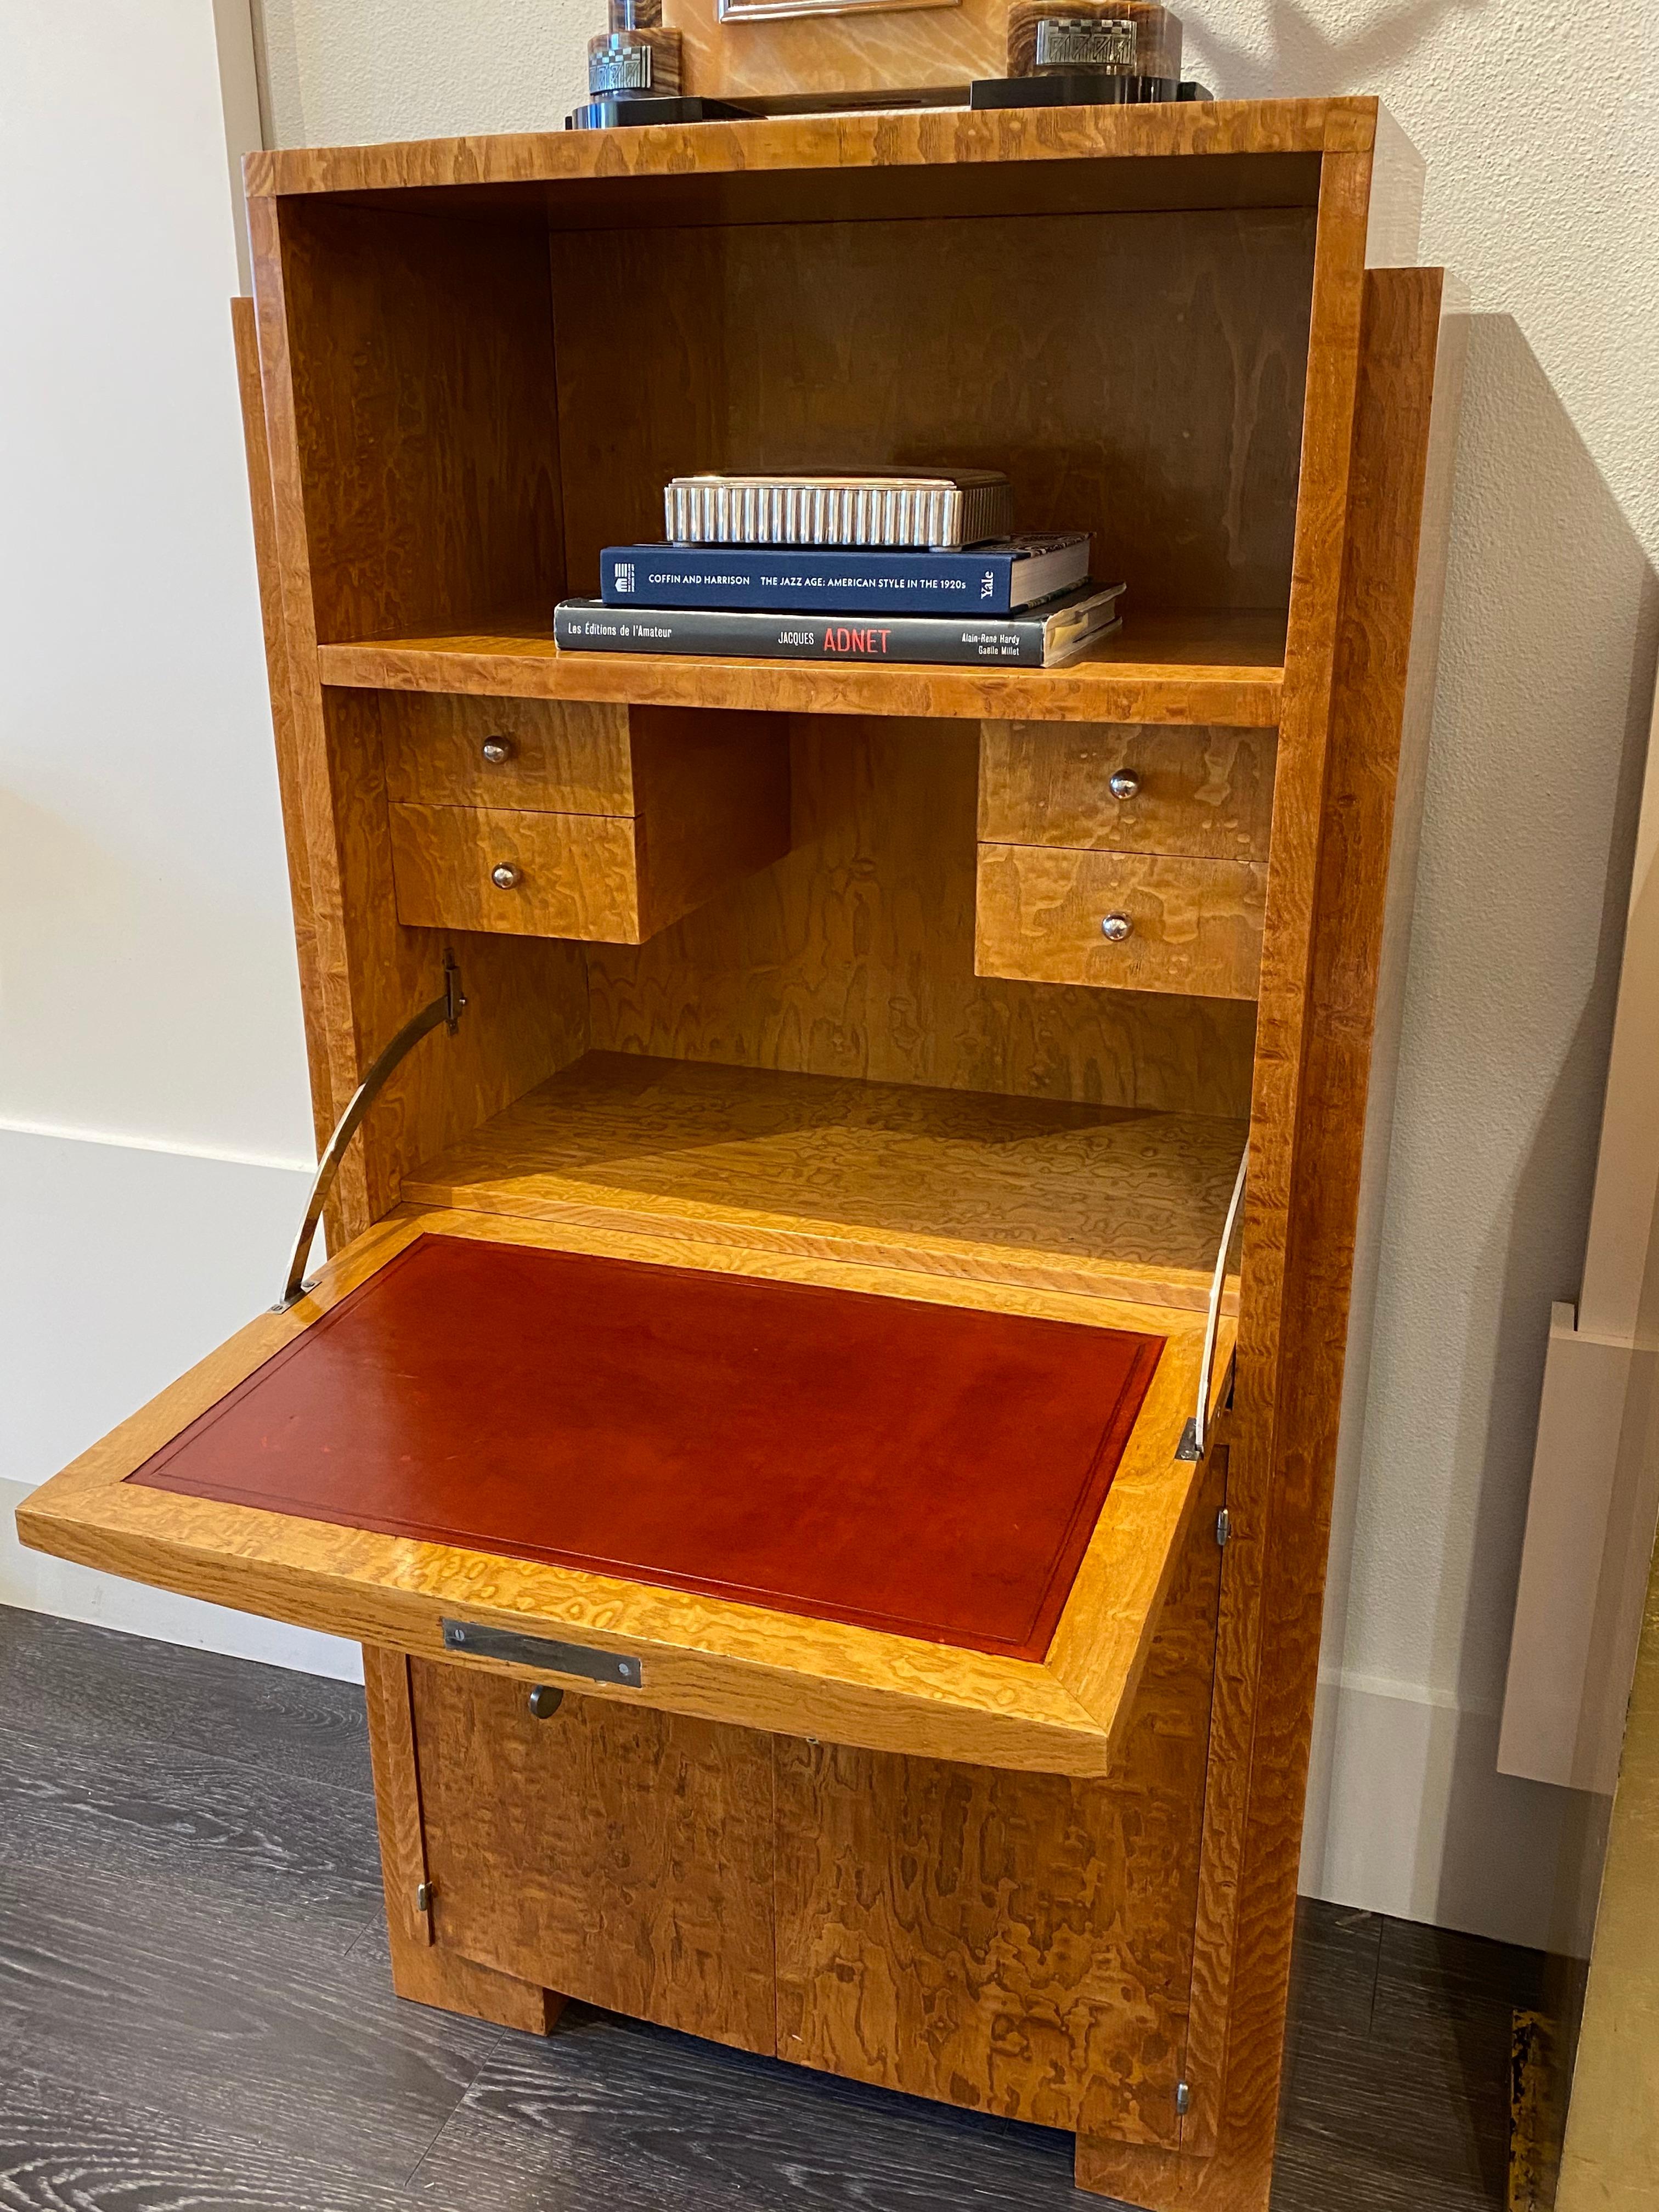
<point x="995" y="579"/>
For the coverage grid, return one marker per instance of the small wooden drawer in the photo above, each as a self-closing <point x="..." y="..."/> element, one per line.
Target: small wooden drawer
<point x="710" y="805"/>
<point x="1194" y="925"/>
<point x="554" y="756"/>
<point x="1206" y="793"/>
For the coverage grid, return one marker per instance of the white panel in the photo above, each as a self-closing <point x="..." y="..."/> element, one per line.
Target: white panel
<point x="1580" y="1421"/>
<point x="124" y="1267"/>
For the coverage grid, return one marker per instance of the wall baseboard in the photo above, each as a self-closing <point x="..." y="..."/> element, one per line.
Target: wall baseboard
<point x="1408" y="1814"/>
<point x="35" y="1583"/>
<point x="127" y="1263"/>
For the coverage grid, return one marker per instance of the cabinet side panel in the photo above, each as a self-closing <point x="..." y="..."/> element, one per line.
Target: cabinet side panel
<point x="422" y="354"/>
<point x="1269" y="1649"/>
<point x="1289" y="1368"/>
<point x="1395" y="402"/>
<point x="262" y="496"/>
<point x="712" y="792"/>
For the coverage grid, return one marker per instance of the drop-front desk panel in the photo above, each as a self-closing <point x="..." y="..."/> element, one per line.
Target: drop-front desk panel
<point x="914" y="1513"/>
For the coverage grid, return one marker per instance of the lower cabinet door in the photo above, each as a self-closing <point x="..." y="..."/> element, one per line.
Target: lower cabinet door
<point x="608" y="1852"/>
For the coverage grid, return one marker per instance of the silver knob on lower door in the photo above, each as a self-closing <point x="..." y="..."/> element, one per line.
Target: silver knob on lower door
<point x="1116" y="927"/>
<point x="506" y="878"/>
<point x="1124" y="785"/>
<point x="496" y="750"/>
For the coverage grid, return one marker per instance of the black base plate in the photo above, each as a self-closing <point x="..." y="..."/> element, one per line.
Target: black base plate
<point x="1079" y="88"/>
<point x="615" y="111"/>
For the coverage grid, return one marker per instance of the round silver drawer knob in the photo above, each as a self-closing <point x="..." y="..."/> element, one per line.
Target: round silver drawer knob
<point x="506" y="878"/>
<point x="496" y="750"/>
<point x="1125" y="784"/>
<point x="1116" y="927"/>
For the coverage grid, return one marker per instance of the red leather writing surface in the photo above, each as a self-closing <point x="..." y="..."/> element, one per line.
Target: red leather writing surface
<point x="924" y="1469"/>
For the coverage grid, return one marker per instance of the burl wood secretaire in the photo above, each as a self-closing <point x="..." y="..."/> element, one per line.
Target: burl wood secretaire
<point x="836" y="1531"/>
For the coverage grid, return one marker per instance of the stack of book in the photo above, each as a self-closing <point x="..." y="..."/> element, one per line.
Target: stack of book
<point x="883" y="565"/>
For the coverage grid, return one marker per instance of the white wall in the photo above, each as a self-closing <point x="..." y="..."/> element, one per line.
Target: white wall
<point x="149" y="854"/>
<point x="154" y="1122"/>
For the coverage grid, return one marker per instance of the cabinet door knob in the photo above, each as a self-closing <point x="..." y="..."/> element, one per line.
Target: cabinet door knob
<point x="545" y="1700"/>
<point x="1124" y="785"/>
<point x="496" y="750"/>
<point x="1116" y="927"/>
<point x="505" y="877"/>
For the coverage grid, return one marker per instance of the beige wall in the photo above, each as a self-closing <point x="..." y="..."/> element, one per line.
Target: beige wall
<point x="155" y="1120"/>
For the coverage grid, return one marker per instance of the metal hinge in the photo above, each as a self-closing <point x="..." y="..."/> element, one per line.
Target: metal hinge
<point x="1183" y="2097"/>
<point x="1224" y="1527"/>
<point x="423" y="1897"/>
<point x="1190" y="1448"/>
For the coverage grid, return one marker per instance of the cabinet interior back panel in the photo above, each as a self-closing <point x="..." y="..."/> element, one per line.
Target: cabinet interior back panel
<point x="1141" y="376"/>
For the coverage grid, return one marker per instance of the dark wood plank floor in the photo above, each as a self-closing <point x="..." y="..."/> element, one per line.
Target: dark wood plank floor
<point x="195" y="2009"/>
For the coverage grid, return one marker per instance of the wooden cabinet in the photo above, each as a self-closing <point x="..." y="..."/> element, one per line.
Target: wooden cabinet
<point x="1021" y="1942"/>
<point x="801" y="1118"/>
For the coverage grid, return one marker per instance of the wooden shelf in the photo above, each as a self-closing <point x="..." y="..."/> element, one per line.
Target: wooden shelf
<point x="1182" y="668"/>
<point x="1110" y="1202"/>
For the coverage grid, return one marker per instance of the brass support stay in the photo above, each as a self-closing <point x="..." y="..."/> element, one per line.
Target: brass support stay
<point x="447" y="1008"/>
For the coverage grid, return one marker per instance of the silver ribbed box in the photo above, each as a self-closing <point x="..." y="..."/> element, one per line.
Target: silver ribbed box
<point x="939" y="508"/>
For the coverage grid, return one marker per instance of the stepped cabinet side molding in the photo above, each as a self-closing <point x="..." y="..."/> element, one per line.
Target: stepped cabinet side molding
<point x="832" y="1485"/>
